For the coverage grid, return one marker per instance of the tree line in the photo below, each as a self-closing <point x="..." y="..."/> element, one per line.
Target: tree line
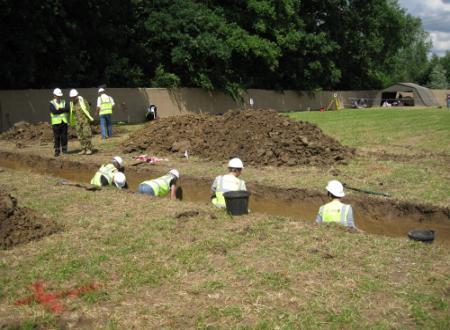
<point x="230" y="45"/>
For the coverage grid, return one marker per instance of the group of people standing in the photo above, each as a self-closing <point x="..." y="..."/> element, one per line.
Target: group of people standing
<point x="77" y="113"/>
<point x="113" y="175"/>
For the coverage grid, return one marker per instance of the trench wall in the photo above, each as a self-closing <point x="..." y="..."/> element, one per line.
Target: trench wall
<point x="131" y="103"/>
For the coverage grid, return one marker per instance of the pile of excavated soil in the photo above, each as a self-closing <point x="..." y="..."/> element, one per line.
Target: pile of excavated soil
<point x="42" y="132"/>
<point x="20" y="225"/>
<point x="258" y="137"/>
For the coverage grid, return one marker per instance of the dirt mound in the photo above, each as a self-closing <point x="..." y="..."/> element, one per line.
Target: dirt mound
<point x="42" y="132"/>
<point x="259" y="137"/>
<point x="20" y="225"/>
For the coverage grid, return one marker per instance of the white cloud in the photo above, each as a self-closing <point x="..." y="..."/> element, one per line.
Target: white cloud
<point x="435" y="15"/>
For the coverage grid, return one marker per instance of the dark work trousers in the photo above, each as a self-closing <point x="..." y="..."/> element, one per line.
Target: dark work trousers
<point x="60" y="137"/>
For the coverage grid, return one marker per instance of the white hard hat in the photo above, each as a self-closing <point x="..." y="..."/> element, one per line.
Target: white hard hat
<point x="57" y="92"/>
<point x="119" y="179"/>
<point x="119" y="160"/>
<point x="235" y="163"/>
<point x="335" y="188"/>
<point x="175" y="173"/>
<point x="101" y="90"/>
<point x="73" y="93"/>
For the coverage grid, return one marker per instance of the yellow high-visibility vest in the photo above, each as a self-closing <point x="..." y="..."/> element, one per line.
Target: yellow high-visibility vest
<point x="84" y="107"/>
<point x="160" y="186"/>
<point x="105" y="105"/>
<point x="62" y="117"/>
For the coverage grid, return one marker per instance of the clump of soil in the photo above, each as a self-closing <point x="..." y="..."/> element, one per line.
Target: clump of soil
<point x="259" y="137"/>
<point x="20" y="225"/>
<point x="42" y="132"/>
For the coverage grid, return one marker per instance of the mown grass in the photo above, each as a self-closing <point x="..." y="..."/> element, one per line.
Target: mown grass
<point x="390" y="129"/>
<point x="160" y="270"/>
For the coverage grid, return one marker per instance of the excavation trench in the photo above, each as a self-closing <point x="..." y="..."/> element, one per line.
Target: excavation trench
<point x="372" y="214"/>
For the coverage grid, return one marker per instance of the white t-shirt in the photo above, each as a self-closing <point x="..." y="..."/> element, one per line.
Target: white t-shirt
<point x="105" y="98"/>
<point x="227" y="182"/>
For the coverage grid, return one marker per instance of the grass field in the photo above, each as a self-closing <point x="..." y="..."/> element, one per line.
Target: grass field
<point x="400" y="130"/>
<point x="160" y="267"/>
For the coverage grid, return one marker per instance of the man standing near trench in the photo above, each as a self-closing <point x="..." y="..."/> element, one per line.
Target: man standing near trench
<point x="80" y="116"/>
<point x="105" y="105"/>
<point x="59" y="120"/>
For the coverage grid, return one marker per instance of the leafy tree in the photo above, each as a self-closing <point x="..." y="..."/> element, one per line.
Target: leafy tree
<point x="438" y="77"/>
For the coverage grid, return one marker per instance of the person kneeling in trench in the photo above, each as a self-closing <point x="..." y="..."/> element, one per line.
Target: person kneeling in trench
<point x="228" y="182"/>
<point x="110" y="174"/>
<point x="336" y="211"/>
<point x="161" y="186"/>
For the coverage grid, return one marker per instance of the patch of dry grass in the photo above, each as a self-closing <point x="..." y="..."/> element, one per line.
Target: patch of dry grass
<point x="161" y="268"/>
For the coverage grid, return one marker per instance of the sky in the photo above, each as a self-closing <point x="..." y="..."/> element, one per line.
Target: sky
<point x="435" y="15"/>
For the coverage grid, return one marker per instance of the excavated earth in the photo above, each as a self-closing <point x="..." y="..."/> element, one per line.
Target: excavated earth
<point x="258" y="137"/>
<point x="26" y="133"/>
<point x="20" y="225"/>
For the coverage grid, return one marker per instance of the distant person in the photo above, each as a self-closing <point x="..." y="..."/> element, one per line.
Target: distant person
<point x="59" y="119"/>
<point x="105" y="106"/>
<point x="336" y="211"/>
<point x="81" y="118"/>
<point x="162" y="186"/>
<point x="110" y="174"/>
<point x="151" y="112"/>
<point x="228" y="182"/>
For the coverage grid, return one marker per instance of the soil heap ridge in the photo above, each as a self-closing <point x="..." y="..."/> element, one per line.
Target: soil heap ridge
<point x="258" y="137"/>
<point x="20" y="225"/>
<point x="42" y="132"/>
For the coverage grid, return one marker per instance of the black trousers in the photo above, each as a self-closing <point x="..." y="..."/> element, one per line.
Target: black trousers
<point x="60" y="137"/>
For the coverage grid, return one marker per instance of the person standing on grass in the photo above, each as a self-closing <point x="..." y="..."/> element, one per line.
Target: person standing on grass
<point x="161" y="186"/>
<point x="59" y="119"/>
<point x="336" y="211"/>
<point x="105" y="105"/>
<point x="81" y="118"/>
<point x="228" y="182"/>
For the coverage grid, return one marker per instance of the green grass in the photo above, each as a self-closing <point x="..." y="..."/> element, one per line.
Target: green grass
<point x="250" y="272"/>
<point x="414" y="129"/>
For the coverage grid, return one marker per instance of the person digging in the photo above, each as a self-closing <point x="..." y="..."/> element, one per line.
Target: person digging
<point x="110" y="174"/>
<point x="162" y="186"/>
<point x="228" y="182"/>
<point x="336" y="211"/>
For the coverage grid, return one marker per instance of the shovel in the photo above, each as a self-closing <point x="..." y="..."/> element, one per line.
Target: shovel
<point x="367" y="191"/>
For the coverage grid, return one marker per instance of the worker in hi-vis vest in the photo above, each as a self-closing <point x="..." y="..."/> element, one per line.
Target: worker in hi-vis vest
<point x="110" y="174"/>
<point x="162" y="186"/>
<point x="59" y="119"/>
<point x="336" y="211"/>
<point x="105" y="105"/>
<point x="228" y="182"/>
<point x="81" y="119"/>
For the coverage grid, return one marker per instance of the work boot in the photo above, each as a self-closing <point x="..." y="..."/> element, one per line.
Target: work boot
<point x="56" y="153"/>
<point x="82" y="152"/>
<point x="89" y="152"/>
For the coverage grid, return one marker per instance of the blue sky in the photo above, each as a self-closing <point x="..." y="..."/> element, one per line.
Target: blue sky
<point x="435" y="15"/>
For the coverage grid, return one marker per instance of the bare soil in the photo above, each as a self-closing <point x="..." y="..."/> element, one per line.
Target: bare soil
<point x="259" y="137"/>
<point x="26" y="133"/>
<point x="20" y="225"/>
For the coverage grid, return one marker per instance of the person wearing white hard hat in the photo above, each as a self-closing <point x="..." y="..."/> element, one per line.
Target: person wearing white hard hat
<point x="228" y="182"/>
<point x="81" y="118"/>
<point x="105" y="106"/>
<point x="106" y="175"/>
<point x="336" y="211"/>
<point x="162" y="186"/>
<point x="59" y="119"/>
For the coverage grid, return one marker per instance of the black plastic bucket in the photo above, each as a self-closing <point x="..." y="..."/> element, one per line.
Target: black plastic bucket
<point x="237" y="202"/>
<point x="422" y="235"/>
